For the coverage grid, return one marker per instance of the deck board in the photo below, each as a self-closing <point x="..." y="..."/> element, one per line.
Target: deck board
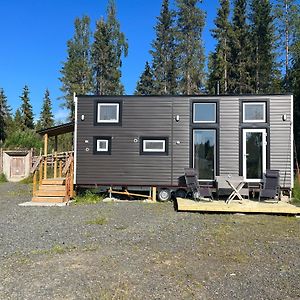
<point x="235" y="206"/>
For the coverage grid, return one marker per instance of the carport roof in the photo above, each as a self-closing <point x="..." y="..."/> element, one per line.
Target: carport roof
<point x="58" y="130"/>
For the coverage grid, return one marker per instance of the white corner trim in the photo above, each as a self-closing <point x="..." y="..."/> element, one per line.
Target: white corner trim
<point x="75" y="99"/>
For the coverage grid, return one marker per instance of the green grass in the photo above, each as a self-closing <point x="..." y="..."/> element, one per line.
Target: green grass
<point x="88" y="198"/>
<point x="97" y="221"/>
<point x="296" y="192"/>
<point x="2" y="178"/>
<point x="56" y="249"/>
<point x="27" y="180"/>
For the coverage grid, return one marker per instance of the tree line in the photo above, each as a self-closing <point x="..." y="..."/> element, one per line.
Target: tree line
<point x="19" y="129"/>
<point x="251" y="38"/>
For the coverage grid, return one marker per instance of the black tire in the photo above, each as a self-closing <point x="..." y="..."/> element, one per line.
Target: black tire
<point x="180" y="193"/>
<point x="164" y="195"/>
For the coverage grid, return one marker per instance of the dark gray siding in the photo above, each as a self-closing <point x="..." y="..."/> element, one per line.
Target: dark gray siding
<point x="229" y="136"/>
<point x="155" y="116"/>
<point x="281" y="139"/>
<point x="125" y="165"/>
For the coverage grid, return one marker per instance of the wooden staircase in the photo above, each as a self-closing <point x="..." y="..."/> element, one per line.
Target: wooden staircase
<point x="51" y="191"/>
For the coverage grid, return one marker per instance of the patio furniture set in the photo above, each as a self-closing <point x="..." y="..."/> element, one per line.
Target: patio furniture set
<point x="233" y="187"/>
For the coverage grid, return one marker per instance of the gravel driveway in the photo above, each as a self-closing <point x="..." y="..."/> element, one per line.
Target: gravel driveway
<point x="143" y="251"/>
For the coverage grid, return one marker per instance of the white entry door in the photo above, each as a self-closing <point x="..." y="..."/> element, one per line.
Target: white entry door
<point x="254" y="154"/>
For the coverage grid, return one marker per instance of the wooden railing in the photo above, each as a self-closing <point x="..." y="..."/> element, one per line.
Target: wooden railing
<point x="68" y="171"/>
<point x="52" y="166"/>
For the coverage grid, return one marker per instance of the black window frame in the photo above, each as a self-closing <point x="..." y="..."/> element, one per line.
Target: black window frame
<point x="204" y="126"/>
<point x="95" y="140"/>
<point x="202" y="103"/>
<point x="154" y="138"/>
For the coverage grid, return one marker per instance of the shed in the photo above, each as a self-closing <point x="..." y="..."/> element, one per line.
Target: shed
<point x="16" y="164"/>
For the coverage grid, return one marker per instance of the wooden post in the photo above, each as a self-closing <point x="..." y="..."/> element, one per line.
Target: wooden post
<point x="41" y="172"/>
<point x="34" y="184"/>
<point x="72" y="179"/>
<point x="55" y="164"/>
<point x="45" y="154"/>
<point x="154" y="194"/>
<point x="60" y="168"/>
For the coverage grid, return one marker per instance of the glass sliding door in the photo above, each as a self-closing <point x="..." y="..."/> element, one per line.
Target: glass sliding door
<point x="204" y="153"/>
<point x="254" y="154"/>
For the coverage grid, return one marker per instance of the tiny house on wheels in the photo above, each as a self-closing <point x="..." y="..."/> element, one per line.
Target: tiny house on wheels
<point x="148" y="141"/>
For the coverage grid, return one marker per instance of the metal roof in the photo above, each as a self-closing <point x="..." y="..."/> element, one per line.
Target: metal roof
<point x="57" y="130"/>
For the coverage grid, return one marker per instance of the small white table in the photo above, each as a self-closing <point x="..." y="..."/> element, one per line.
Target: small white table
<point x="236" y="186"/>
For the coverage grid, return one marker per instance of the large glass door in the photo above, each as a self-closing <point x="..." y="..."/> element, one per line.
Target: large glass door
<point x="254" y="154"/>
<point x="204" y="153"/>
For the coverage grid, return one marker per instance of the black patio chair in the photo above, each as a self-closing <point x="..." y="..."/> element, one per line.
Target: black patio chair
<point x="271" y="188"/>
<point x="193" y="186"/>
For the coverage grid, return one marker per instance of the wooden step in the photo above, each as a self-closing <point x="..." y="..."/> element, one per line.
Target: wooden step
<point x="50" y="193"/>
<point x="53" y="181"/>
<point x="52" y="187"/>
<point x="48" y="199"/>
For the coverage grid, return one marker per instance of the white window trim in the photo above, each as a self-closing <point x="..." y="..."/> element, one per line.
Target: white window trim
<point x="201" y="103"/>
<point x="108" y="121"/>
<point x="163" y="150"/>
<point x="102" y="149"/>
<point x="254" y="103"/>
<point x="264" y="153"/>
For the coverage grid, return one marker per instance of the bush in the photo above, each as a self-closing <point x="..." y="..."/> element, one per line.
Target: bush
<point x="3" y="178"/>
<point x="23" y="139"/>
<point x="89" y="197"/>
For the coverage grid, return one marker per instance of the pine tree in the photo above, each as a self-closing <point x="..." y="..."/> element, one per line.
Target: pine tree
<point x="287" y="14"/>
<point x="5" y="115"/>
<point x="46" y="116"/>
<point x="107" y="50"/>
<point x="76" y="71"/>
<point x="240" y="51"/>
<point x="294" y="80"/>
<point x="18" y="118"/>
<point x="263" y="39"/>
<point x="190" y="23"/>
<point x="102" y="56"/>
<point x="26" y="109"/>
<point x="219" y="59"/>
<point x="163" y="53"/>
<point x="16" y="122"/>
<point x="145" y="85"/>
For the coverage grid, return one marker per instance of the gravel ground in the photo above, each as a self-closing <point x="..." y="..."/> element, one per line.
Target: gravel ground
<point x="143" y="251"/>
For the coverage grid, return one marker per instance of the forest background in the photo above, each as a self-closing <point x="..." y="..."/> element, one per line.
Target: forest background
<point x="256" y="51"/>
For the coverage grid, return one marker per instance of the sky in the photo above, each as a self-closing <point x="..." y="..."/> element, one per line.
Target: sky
<point x="34" y="34"/>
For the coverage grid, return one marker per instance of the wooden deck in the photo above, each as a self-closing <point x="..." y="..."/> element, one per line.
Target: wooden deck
<point x="235" y="206"/>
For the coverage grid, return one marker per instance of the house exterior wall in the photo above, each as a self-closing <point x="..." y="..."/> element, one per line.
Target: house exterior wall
<point x="151" y="117"/>
<point x="281" y="138"/>
<point x="156" y="117"/>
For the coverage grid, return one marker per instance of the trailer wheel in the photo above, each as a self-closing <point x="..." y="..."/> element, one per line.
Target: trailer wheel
<point x="181" y="193"/>
<point x="164" y="195"/>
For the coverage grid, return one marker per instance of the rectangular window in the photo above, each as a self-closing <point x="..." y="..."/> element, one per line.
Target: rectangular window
<point x="154" y="145"/>
<point x="102" y="145"/>
<point x="204" y="113"/>
<point x="204" y="153"/>
<point x="108" y="112"/>
<point x="254" y="112"/>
